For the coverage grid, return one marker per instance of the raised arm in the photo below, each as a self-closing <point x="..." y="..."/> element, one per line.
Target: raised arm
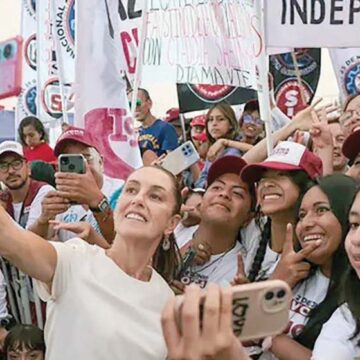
<point x="29" y="252"/>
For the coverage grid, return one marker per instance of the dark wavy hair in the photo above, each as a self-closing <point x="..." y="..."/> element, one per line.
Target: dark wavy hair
<point x="38" y="126"/>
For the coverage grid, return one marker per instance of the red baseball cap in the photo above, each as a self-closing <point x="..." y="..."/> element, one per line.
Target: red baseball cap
<point x="286" y="156"/>
<point x="172" y="114"/>
<point x="198" y="121"/>
<point x="351" y="146"/>
<point x="74" y="134"/>
<point x="225" y="165"/>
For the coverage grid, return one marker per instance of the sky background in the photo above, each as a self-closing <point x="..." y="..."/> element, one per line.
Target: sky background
<point x="164" y="97"/>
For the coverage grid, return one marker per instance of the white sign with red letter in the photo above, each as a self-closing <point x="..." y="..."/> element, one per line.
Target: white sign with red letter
<point x="101" y="102"/>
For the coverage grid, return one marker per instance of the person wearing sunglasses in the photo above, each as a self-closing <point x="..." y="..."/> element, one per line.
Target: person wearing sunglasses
<point x="156" y="137"/>
<point x="251" y="124"/>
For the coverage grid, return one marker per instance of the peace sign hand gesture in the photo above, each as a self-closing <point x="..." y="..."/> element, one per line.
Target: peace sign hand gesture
<point x="240" y="277"/>
<point x="291" y="267"/>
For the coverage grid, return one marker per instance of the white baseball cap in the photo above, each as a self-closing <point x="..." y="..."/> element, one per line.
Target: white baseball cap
<point x="11" y="147"/>
<point x="286" y="156"/>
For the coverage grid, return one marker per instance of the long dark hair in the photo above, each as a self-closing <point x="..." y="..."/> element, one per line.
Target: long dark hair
<point x="229" y="114"/>
<point x="303" y="182"/>
<point x="38" y="126"/>
<point x="340" y="190"/>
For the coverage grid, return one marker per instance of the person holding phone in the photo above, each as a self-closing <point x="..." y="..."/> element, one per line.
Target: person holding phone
<point x="86" y="193"/>
<point x="102" y="303"/>
<point x="215" y="339"/>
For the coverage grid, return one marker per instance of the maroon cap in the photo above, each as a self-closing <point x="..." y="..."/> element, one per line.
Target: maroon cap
<point x="172" y="114"/>
<point x="351" y="146"/>
<point x="286" y="156"/>
<point x="225" y="165"/>
<point x="198" y="121"/>
<point x="74" y="134"/>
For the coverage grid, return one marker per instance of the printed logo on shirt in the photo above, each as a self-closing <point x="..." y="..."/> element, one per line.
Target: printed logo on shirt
<point x="148" y="138"/>
<point x="196" y="278"/>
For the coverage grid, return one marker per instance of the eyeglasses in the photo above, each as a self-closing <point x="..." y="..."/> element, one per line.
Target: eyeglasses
<point x="347" y="116"/>
<point x="250" y="119"/>
<point x="15" y="164"/>
<point x="138" y="103"/>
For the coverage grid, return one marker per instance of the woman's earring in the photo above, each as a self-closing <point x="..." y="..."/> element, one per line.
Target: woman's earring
<point x="166" y="243"/>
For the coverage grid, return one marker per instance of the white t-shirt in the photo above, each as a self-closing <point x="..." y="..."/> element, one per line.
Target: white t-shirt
<point x="184" y="234"/>
<point x="35" y="208"/>
<point x="220" y="269"/>
<point x="96" y="311"/>
<point x="250" y="239"/>
<point x="334" y="341"/>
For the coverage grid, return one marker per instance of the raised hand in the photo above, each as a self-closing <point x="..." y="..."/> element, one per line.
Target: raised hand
<point x="291" y="267"/>
<point x="214" y="340"/>
<point x="321" y="135"/>
<point x="52" y="204"/>
<point x="240" y="277"/>
<point x="215" y="149"/>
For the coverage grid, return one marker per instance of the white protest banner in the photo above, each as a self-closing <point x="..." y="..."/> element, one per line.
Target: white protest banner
<point x="346" y="63"/>
<point x="312" y="23"/>
<point x="101" y="103"/>
<point x="49" y="87"/>
<point x="26" y="104"/>
<point x="201" y="42"/>
<point x="64" y="33"/>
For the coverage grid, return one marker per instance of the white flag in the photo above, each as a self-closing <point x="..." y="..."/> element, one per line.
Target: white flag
<point x="346" y="63"/>
<point x="101" y="103"/>
<point x="27" y="100"/>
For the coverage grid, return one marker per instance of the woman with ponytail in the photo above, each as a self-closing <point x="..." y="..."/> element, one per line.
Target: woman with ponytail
<point x="282" y="179"/>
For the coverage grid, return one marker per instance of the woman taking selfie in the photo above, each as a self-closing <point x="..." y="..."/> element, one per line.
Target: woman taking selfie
<point x="106" y="304"/>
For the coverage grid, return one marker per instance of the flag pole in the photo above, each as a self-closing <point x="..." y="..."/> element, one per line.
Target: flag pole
<point x="139" y="58"/>
<point x="263" y="81"/>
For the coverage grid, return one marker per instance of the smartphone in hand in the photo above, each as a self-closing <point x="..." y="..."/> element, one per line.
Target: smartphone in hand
<point x="72" y="163"/>
<point x="259" y="309"/>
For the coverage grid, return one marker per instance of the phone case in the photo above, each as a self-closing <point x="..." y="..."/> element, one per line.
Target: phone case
<point x="73" y="163"/>
<point x="181" y="158"/>
<point x="259" y="309"/>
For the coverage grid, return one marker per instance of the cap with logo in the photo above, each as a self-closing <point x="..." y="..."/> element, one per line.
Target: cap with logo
<point x="11" y="147"/>
<point x="225" y="165"/>
<point x="74" y="134"/>
<point x="351" y="146"/>
<point x="286" y="156"/>
<point x="198" y="121"/>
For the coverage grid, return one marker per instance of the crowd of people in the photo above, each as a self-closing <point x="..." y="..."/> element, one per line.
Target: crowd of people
<point x="97" y="265"/>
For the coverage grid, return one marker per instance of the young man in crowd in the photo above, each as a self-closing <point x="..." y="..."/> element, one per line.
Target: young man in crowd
<point x="78" y="197"/>
<point x="156" y="137"/>
<point x="24" y="195"/>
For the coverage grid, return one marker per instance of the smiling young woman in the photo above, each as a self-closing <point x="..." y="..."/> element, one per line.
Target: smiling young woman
<point x="110" y="297"/>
